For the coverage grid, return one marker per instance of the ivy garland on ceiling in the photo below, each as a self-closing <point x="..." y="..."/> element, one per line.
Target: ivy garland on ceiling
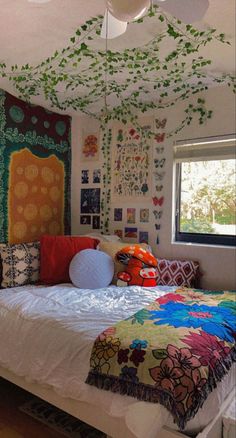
<point x="112" y="85"/>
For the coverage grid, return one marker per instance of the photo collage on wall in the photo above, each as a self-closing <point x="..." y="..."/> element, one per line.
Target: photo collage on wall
<point x="134" y="219"/>
<point x="159" y="173"/>
<point x="90" y="199"/>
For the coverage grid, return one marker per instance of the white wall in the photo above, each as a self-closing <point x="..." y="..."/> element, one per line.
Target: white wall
<point x="217" y="263"/>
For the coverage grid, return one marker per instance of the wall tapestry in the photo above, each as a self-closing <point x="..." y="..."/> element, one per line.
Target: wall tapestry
<point x="35" y="159"/>
<point x="131" y="174"/>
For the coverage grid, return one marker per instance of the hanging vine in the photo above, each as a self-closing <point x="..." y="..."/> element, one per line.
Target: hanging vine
<point x="106" y="179"/>
<point x="134" y="80"/>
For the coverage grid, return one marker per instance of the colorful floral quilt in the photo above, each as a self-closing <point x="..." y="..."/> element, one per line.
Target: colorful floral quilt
<point x="174" y="351"/>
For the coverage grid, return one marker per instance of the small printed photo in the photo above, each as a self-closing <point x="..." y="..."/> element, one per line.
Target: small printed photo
<point x="131" y="213"/>
<point x="144" y="215"/>
<point x="96" y="176"/>
<point x="96" y="222"/>
<point x="131" y="233"/>
<point x="90" y="201"/>
<point x="85" y="220"/>
<point x="118" y="213"/>
<point x="84" y="176"/>
<point x="119" y="233"/>
<point x="143" y="236"/>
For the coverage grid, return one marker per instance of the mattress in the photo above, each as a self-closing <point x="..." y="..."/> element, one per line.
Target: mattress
<point x="46" y="336"/>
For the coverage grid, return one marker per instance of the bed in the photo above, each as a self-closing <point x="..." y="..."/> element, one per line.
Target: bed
<point x="50" y="333"/>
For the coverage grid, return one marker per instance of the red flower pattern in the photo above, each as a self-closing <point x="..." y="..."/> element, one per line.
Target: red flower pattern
<point x="123" y="356"/>
<point x="207" y="347"/>
<point x="170" y="297"/>
<point x="137" y="356"/>
<point x="166" y="374"/>
<point x="183" y="358"/>
<point x="179" y="374"/>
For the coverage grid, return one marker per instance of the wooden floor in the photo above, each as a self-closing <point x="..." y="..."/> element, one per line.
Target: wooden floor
<point x="13" y="422"/>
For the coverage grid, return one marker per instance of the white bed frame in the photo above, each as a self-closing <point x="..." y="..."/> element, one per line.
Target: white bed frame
<point x="96" y="417"/>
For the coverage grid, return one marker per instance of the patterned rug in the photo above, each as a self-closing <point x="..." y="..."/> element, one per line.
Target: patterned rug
<point x="58" y="420"/>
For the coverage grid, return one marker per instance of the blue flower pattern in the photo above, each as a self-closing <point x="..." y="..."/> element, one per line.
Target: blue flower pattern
<point x="218" y="321"/>
<point x="138" y="344"/>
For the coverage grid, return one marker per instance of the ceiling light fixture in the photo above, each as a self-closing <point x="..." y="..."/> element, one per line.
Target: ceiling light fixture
<point x="115" y="27"/>
<point x="125" y="11"/>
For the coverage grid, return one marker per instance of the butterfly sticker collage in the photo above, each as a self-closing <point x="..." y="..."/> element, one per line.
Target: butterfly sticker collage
<point x="159" y="162"/>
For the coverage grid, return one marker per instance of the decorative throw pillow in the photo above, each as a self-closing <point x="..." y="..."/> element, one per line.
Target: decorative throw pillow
<point x="91" y="269"/>
<point x="178" y="273"/>
<point x="139" y="267"/>
<point x="57" y="253"/>
<point x="104" y="237"/>
<point x="111" y="248"/>
<point x="20" y="264"/>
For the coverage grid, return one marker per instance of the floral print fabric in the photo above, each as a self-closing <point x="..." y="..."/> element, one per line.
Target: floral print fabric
<point x="173" y="352"/>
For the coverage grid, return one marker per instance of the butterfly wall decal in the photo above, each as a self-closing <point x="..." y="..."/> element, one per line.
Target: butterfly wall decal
<point x="157" y="214"/>
<point x="159" y="163"/>
<point x="159" y="175"/>
<point x="157" y="227"/>
<point x="160" y="150"/>
<point x="158" y="201"/>
<point x="160" y="137"/>
<point x="159" y="188"/>
<point x="160" y="123"/>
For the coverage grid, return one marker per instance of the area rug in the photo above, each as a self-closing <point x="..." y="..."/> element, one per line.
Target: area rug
<point x="58" y="420"/>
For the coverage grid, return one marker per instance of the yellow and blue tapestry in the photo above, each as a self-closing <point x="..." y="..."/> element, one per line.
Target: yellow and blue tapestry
<point x="35" y="161"/>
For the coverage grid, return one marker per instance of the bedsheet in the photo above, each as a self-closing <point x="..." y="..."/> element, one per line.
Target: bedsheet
<point x="46" y="336"/>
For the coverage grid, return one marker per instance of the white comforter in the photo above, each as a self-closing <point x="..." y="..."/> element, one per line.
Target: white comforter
<point x="46" y="335"/>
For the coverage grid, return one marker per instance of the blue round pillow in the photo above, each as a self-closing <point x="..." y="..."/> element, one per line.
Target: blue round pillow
<point x="91" y="269"/>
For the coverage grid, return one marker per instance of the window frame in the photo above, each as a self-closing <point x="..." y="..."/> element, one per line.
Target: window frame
<point x="199" y="238"/>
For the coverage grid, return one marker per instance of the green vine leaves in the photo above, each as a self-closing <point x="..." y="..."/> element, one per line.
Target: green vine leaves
<point x="111" y="85"/>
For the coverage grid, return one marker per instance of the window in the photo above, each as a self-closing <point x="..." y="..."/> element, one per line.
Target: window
<point x="206" y="191"/>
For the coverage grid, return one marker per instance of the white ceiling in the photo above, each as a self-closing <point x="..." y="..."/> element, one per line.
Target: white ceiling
<point x="31" y="32"/>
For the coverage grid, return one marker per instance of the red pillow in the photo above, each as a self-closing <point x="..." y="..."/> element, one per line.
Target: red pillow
<point x="184" y="273"/>
<point x="56" y="253"/>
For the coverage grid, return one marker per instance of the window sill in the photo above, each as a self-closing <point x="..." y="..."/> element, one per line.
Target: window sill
<point x="205" y="245"/>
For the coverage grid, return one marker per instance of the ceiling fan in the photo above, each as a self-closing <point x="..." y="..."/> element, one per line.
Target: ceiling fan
<point x="120" y="12"/>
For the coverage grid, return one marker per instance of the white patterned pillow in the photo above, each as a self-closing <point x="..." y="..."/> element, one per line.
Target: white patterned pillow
<point x="20" y="264"/>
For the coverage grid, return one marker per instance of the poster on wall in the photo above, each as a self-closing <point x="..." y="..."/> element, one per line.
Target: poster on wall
<point x="131" y="215"/>
<point x="96" y="222"/>
<point x="34" y="171"/>
<point x="84" y="176"/>
<point x="90" y="201"/>
<point x="131" y="232"/>
<point x="144" y="215"/>
<point x="131" y="163"/>
<point x="118" y="214"/>
<point x="97" y="176"/>
<point x="90" y="146"/>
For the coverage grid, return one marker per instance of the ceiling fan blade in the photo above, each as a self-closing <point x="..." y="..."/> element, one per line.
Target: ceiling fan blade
<point x="187" y="11"/>
<point x="111" y="27"/>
